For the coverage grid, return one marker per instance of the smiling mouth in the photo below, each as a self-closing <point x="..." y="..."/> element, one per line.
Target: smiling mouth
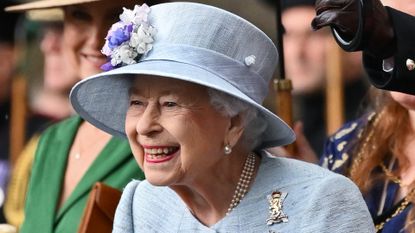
<point x="158" y="154"/>
<point x="94" y="59"/>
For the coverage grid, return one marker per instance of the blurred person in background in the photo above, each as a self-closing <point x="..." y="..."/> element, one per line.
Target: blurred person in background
<point x="50" y="101"/>
<point x="73" y="155"/>
<point x="52" y="98"/>
<point x="305" y="64"/>
<point x="9" y="34"/>
<point x="7" y="67"/>
<point x="377" y="152"/>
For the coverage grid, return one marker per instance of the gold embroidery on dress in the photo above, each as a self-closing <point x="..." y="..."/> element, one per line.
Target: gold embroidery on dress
<point x="340" y="162"/>
<point x="345" y="131"/>
<point x="341" y="146"/>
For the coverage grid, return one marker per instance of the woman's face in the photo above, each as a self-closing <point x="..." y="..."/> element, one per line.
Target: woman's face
<point x="85" y="28"/>
<point x="56" y="75"/>
<point x="407" y="101"/>
<point x="174" y="132"/>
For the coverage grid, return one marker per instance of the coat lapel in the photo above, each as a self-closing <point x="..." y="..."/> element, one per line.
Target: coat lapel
<point x="114" y="154"/>
<point x="45" y="187"/>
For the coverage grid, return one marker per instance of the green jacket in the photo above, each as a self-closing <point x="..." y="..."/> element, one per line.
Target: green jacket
<point x="115" y="166"/>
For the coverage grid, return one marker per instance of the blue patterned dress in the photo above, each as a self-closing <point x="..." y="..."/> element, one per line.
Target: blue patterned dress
<point x="337" y="157"/>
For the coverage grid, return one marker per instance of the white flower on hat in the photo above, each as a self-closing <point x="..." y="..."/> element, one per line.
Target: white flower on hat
<point x="129" y="38"/>
<point x="142" y="39"/>
<point x="141" y="14"/>
<point x="127" y="15"/>
<point x="127" y="55"/>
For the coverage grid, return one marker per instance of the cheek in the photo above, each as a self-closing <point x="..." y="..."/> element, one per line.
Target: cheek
<point x="136" y="149"/>
<point x="204" y="136"/>
<point x="316" y="51"/>
<point x="406" y="100"/>
<point x="73" y="39"/>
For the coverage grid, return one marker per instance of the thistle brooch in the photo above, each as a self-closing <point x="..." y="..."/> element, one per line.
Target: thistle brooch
<point x="276" y="200"/>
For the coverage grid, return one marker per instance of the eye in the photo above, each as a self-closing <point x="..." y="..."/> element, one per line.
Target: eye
<point x="169" y="104"/>
<point x="79" y="14"/>
<point x="136" y="103"/>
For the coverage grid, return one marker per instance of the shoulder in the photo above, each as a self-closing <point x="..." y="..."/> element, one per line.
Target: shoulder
<point x="351" y="129"/>
<point x="61" y="128"/>
<point x="141" y="206"/>
<point x="123" y="220"/>
<point x="340" y="146"/>
<point x="56" y="137"/>
<point x="296" y="175"/>
<point x="291" y="170"/>
<point x="315" y="198"/>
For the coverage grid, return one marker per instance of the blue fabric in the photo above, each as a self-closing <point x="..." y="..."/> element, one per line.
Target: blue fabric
<point x="317" y="201"/>
<point x="337" y="157"/>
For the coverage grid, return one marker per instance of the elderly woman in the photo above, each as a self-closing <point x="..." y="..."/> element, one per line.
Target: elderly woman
<point x="185" y="88"/>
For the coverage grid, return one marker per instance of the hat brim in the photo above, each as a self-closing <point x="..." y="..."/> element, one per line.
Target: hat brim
<point x="103" y="99"/>
<point x="45" y="15"/>
<point x="45" y="4"/>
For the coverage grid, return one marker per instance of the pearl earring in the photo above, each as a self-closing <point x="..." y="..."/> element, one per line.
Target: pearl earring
<point x="227" y="149"/>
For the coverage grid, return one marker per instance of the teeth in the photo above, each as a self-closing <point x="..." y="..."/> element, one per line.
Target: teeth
<point x="158" y="152"/>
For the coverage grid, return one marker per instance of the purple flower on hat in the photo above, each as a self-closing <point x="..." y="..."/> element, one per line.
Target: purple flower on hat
<point x="127" y="39"/>
<point x="120" y="35"/>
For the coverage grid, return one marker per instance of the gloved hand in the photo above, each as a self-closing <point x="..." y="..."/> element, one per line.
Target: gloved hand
<point x="359" y="25"/>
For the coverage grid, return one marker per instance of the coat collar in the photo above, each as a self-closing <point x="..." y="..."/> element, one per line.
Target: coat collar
<point x="116" y="152"/>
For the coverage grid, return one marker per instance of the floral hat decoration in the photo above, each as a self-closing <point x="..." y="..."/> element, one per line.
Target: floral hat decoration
<point x="129" y="38"/>
<point x="186" y="41"/>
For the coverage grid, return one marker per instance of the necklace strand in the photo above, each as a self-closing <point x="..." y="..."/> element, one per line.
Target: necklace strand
<point x="243" y="183"/>
<point x="395" y="179"/>
<point x="398" y="210"/>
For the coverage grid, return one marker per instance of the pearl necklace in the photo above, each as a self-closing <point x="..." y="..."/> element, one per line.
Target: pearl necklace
<point x="243" y="183"/>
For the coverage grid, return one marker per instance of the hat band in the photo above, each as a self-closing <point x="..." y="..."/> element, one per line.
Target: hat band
<point x="228" y="69"/>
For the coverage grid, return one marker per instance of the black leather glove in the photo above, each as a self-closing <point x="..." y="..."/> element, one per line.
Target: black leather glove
<point x="359" y="25"/>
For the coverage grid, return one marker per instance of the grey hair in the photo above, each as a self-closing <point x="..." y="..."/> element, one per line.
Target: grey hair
<point x="231" y="106"/>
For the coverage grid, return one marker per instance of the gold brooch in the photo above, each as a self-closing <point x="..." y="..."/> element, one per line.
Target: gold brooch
<point x="275" y="208"/>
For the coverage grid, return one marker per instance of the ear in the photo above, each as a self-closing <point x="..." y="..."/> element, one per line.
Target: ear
<point x="235" y="130"/>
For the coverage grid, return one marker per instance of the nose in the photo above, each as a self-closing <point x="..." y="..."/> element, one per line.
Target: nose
<point x="148" y="123"/>
<point x="51" y="41"/>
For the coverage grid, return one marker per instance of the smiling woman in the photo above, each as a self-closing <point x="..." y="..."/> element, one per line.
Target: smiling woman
<point x="190" y="106"/>
<point x="72" y="155"/>
<point x="177" y="116"/>
<point x="85" y="27"/>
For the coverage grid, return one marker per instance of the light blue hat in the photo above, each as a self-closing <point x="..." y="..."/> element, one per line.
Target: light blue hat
<point x="195" y="43"/>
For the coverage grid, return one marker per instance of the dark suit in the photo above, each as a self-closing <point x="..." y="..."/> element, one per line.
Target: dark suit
<point x="401" y="78"/>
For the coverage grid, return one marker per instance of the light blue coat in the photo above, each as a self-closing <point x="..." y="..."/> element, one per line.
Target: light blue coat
<point x="317" y="201"/>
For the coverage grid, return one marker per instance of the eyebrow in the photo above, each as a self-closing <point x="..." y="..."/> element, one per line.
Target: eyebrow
<point x="133" y="90"/>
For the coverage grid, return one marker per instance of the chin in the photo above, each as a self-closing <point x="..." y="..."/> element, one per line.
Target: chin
<point x="405" y="100"/>
<point x="157" y="181"/>
<point x="86" y="72"/>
